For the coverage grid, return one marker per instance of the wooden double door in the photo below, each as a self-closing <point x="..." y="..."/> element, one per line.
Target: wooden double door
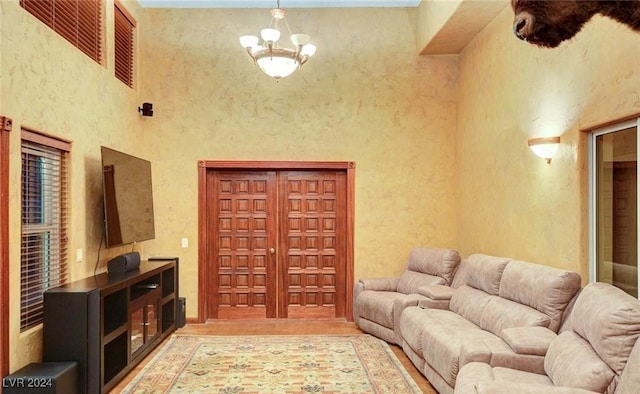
<point x="277" y="244"/>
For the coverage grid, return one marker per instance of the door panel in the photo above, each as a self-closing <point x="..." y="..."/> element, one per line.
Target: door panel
<point x="244" y="272"/>
<point x="277" y="245"/>
<point x="312" y="243"/>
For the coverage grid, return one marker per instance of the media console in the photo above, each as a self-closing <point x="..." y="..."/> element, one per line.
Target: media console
<point x="109" y="322"/>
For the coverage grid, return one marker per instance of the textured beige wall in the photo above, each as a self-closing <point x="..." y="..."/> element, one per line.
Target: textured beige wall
<point x="365" y="97"/>
<point x="50" y="86"/>
<point x="510" y="202"/>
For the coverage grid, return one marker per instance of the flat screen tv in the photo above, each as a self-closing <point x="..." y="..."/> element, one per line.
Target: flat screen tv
<point x="128" y="198"/>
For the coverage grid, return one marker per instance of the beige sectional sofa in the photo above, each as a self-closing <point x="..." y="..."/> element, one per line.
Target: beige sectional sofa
<point x="503" y="325"/>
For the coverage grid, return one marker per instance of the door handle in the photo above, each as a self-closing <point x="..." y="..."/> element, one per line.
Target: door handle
<point x="272" y="250"/>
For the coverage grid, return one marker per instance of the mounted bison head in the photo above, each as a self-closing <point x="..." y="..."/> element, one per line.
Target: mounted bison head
<point x="548" y="23"/>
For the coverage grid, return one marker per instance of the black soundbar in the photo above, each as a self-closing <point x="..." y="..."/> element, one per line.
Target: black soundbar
<point x="124" y="263"/>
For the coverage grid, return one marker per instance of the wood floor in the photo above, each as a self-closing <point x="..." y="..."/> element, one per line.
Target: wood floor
<point x="280" y="328"/>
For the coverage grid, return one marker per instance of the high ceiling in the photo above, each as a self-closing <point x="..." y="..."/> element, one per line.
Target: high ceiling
<point x="272" y="3"/>
<point x="444" y="26"/>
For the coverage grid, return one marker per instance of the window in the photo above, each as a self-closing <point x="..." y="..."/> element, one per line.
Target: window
<point x="78" y="21"/>
<point x="44" y="222"/>
<point x="124" y="29"/>
<point x="613" y="167"/>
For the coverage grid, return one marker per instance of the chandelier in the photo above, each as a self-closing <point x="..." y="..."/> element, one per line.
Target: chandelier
<point x="274" y="60"/>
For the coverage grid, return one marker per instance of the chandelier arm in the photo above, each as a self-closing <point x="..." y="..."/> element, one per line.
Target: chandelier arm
<point x="271" y="50"/>
<point x="288" y="28"/>
<point x="251" y="55"/>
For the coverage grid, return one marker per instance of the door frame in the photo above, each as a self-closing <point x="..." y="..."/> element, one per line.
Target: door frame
<point x="5" y="129"/>
<point x="204" y="234"/>
<point x="594" y="132"/>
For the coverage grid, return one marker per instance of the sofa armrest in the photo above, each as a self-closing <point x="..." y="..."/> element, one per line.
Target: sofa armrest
<point x="433" y="304"/>
<point x="528" y="340"/>
<point x="437" y="292"/>
<point x="496" y="387"/>
<point x="435" y="296"/>
<point x="379" y="284"/>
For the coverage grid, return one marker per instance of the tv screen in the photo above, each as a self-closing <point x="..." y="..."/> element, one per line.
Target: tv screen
<point x="128" y="198"/>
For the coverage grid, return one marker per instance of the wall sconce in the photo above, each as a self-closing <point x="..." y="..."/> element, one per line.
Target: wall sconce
<point x="544" y="147"/>
<point x="146" y="109"/>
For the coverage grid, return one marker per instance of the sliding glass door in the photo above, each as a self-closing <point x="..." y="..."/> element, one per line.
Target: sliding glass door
<point x="613" y="200"/>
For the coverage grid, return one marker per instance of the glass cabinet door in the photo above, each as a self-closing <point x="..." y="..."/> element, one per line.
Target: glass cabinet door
<point x="144" y="325"/>
<point x="151" y="322"/>
<point x="137" y="330"/>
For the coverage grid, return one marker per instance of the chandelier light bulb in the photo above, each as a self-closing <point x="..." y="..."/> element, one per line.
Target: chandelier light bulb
<point x="308" y="50"/>
<point x="277" y="67"/>
<point x="300" y="39"/>
<point x="248" y="41"/>
<point x="270" y="35"/>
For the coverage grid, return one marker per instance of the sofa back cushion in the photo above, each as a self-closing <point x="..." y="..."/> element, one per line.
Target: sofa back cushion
<point x="543" y="288"/>
<point x="492" y="313"/>
<point x="460" y="276"/>
<point x="469" y="303"/>
<point x="411" y="281"/>
<point x="501" y="313"/>
<point x="572" y="362"/>
<point x="609" y="319"/>
<point x="434" y="261"/>
<point x="484" y="272"/>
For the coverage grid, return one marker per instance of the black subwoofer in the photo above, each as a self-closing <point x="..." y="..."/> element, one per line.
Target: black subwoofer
<point x="124" y="263"/>
<point x="182" y="312"/>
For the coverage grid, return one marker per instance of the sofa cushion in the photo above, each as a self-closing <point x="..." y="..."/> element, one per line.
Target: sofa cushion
<point x="543" y="288"/>
<point x="377" y="306"/>
<point x="434" y="261"/>
<point x="484" y="272"/>
<point x="411" y="281"/>
<point x="572" y="362"/>
<point x="469" y="303"/>
<point x="455" y="341"/>
<point x="413" y="322"/>
<point x="610" y="320"/>
<point x="513" y="375"/>
<point x="501" y="313"/>
<point x="474" y="376"/>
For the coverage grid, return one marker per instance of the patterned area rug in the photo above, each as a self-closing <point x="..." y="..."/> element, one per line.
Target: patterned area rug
<point x="274" y="364"/>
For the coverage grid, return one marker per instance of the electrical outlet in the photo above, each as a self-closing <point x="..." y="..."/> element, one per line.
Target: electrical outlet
<point x="184" y="242"/>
